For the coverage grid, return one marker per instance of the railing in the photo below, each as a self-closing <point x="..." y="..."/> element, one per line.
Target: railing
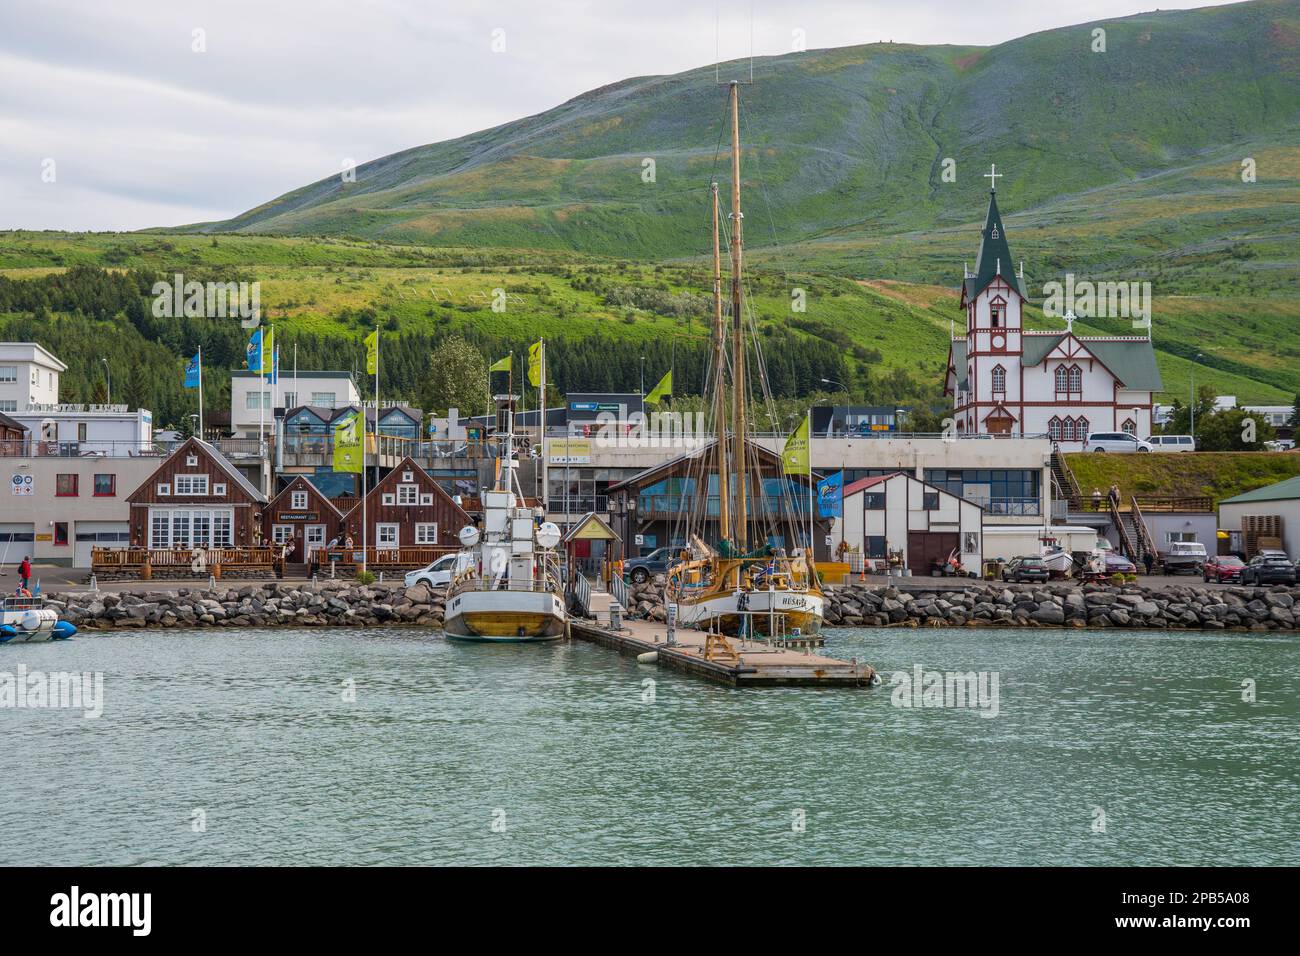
<point x="194" y="560"/>
<point x="36" y="448"/>
<point x="379" y="559"/>
<point x="1062" y="473"/>
<point x="582" y="591"/>
<point x="1148" y="545"/>
<point x="1125" y="543"/>
<point x="618" y="589"/>
<point x="1174" y="502"/>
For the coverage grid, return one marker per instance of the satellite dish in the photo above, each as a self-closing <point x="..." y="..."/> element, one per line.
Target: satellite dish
<point x="468" y="536"/>
<point x="548" y="535"/>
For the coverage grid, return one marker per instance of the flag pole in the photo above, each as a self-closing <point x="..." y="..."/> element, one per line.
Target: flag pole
<point x="810" y="487"/>
<point x="546" y="495"/>
<point x="200" y="393"/>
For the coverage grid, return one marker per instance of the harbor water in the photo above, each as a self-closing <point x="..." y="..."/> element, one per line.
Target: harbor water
<point x="399" y="747"/>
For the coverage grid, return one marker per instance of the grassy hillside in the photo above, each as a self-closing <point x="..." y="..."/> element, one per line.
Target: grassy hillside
<point x="1216" y="474"/>
<point x="1122" y="159"/>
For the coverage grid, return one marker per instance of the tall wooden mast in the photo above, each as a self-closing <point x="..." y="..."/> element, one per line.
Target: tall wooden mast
<point x="739" y="395"/>
<point x="719" y="392"/>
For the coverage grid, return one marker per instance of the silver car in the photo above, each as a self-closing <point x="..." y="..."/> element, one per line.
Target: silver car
<point x="1114" y="442"/>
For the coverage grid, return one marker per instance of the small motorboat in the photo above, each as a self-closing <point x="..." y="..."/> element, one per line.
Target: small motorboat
<point x="26" y="619"/>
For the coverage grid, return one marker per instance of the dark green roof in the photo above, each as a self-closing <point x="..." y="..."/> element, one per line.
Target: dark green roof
<point x="1282" y="491"/>
<point x="959" y="361"/>
<point x="1131" y="360"/>
<point x="995" y="255"/>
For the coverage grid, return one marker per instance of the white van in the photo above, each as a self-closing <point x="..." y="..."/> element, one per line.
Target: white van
<point x="1172" y="443"/>
<point x="1114" y="441"/>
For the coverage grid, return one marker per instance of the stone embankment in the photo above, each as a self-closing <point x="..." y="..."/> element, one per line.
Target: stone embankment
<point x="329" y="604"/>
<point x="1066" y="604"/>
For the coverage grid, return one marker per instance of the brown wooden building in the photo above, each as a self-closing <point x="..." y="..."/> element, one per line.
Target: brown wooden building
<point x="407" y="509"/>
<point x="300" y="513"/>
<point x="12" y="435"/>
<point x="196" y="498"/>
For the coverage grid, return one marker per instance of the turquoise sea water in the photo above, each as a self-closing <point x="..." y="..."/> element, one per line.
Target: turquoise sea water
<point x="549" y="754"/>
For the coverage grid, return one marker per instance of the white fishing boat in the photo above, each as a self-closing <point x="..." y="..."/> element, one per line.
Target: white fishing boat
<point x="27" y="620"/>
<point x="510" y="588"/>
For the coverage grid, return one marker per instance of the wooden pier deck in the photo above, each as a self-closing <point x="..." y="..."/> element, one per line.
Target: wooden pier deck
<point x="758" y="665"/>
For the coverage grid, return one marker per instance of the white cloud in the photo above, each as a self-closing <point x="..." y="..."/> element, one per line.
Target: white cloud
<point x="147" y="132"/>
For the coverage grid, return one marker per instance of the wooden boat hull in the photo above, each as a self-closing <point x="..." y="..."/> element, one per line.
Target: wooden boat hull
<point x="507" y="616"/>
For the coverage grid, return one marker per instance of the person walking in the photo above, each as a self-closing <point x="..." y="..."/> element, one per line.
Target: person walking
<point x="1114" y="497"/>
<point x="25" y="573"/>
<point x="1096" y="499"/>
<point x="1149" y="560"/>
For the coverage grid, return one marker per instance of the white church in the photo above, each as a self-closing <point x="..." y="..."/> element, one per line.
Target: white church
<point x="1008" y="380"/>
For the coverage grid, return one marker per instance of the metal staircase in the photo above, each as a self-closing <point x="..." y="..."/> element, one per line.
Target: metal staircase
<point x="1064" y="485"/>
<point x="1124" y="529"/>
<point x="1141" y="535"/>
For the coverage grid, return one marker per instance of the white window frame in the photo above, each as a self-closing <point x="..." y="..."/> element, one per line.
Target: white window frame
<point x="191" y="461"/>
<point x="208" y="527"/>
<point x="387" y="498"/>
<point x="280" y="533"/>
<point x="408" y="495"/>
<point x="219" y="488"/>
<point x="200" y="481"/>
<point x="385" y="526"/>
<point x="426" y="499"/>
<point x="164" y="489"/>
<point x="298" y="500"/>
<point x="426" y="532"/>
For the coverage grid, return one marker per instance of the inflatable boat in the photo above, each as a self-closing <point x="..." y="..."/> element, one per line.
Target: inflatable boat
<point x="26" y="620"/>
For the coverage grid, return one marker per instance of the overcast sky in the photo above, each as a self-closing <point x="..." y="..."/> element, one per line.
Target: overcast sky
<point x="144" y="130"/>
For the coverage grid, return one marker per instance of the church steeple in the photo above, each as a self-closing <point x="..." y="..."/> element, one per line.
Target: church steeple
<point x="995" y="255"/>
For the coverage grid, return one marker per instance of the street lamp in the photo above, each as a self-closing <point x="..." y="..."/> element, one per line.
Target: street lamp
<point x="109" y="372"/>
<point x="643" y="376"/>
<point x="1192" y="407"/>
<point x="840" y="385"/>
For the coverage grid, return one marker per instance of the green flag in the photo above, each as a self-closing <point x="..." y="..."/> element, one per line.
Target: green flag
<point x="535" y="364"/>
<point x="347" y="445"/>
<point x="501" y="366"/>
<point x="372" y="352"/>
<point x="661" y="391"/>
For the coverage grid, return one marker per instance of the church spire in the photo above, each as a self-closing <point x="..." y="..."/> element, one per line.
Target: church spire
<point x="994" y="250"/>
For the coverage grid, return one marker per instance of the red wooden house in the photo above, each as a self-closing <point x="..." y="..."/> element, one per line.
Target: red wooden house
<point x="300" y="513"/>
<point x="407" y="509"/>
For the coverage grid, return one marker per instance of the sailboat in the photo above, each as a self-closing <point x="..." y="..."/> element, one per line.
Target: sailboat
<point x="745" y="583"/>
<point x="510" y="588"/>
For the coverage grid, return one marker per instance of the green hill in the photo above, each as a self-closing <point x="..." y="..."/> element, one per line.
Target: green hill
<point x="1114" y="160"/>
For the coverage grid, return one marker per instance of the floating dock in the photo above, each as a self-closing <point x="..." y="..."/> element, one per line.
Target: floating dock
<point x="754" y="664"/>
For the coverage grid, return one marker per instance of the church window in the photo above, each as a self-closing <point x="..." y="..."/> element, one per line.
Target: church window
<point x="1129" y="426"/>
<point x="1081" y="428"/>
<point x="1054" y="429"/>
<point x="996" y="317"/>
<point x="1067" y="430"/>
<point x="999" y="380"/>
<point x="1076" y="378"/>
<point x="1061" y="378"/>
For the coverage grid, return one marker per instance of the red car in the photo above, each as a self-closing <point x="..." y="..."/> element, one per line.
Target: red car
<point x="1224" y="567"/>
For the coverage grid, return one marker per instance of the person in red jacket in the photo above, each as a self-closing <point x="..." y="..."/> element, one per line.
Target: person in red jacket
<point x="25" y="572"/>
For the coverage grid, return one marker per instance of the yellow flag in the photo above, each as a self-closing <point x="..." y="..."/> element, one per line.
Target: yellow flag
<point x="535" y="364"/>
<point x="372" y="352"/>
<point x="502" y="366"/>
<point x="347" y="445"/>
<point x="795" y="459"/>
<point x="661" y="391"/>
<point x="268" y="351"/>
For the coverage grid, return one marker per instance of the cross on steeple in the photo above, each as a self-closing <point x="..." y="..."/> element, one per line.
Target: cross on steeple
<point x="993" y="176"/>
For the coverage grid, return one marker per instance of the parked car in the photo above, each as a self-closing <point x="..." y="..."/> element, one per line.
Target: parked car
<point x="1266" y="569"/>
<point x="440" y="572"/>
<point x="1116" y="563"/>
<point x="1026" y="568"/>
<point x="1172" y="443"/>
<point x="1114" y="441"/>
<point x="643" y="569"/>
<point x="1223" y="567"/>
<point x="1189" y="556"/>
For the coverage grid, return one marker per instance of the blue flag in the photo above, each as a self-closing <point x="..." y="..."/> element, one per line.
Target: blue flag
<point x="192" y="372"/>
<point x="275" y="365"/>
<point x="253" y="353"/>
<point x="830" y="496"/>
